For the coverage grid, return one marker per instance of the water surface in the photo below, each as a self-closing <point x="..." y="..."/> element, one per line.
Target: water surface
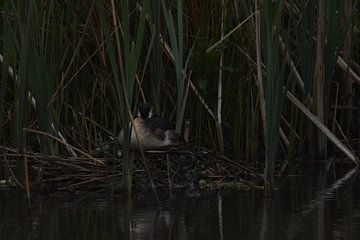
<point x="302" y="208"/>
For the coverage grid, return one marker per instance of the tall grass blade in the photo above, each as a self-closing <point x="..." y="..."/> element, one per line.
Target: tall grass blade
<point x="8" y="51"/>
<point x="177" y="46"/>
<point x="274" y="82"/>
<point x="334" y="38"/>
<point x="45" y="55"/>
<point x="22" y="106"/>
<point x="156" y="63"/>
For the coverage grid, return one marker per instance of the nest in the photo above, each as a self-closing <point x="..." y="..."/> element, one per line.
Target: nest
<point x="172" y="170"/>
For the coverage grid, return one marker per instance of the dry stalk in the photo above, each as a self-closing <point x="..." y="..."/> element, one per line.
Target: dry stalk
<point x="319" y="74"/>
<point x="346" y="68"/>
<point x="27" y="189"/>
<point x="322" y="128"/>
<point x="220" y="78"/>
<point x="64" y="143"/>
<point x="259" y="78"/>
<point x="223" y="38"/>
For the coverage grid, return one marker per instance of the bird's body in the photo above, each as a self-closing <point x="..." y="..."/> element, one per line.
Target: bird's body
<point x="151" y="131"/>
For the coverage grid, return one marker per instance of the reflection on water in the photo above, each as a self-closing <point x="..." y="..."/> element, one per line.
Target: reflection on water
<point x="300" y="210"/>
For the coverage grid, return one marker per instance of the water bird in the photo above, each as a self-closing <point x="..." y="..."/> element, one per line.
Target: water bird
<point x="153" y="132"/>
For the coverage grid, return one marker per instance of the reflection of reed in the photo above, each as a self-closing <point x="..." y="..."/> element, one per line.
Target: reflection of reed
<point x="296" y="220"/>
<point x="151" y="225"/>
<point x="320" y="210"/>
<point x="145" y="224"/>
<point x="263" y="223"/>
<point x="346" y="224"/>
<point x="220" y="216"/>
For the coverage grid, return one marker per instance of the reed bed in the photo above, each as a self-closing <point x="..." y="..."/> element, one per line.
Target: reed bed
<point x="267" y="82"/>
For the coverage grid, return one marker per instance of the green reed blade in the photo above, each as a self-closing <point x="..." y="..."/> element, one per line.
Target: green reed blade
<point x="274" y="83"/>
<point x="177" y="46"/>
<point x="156" y="63"/>
<point x="8" y="51"/>
<point x="22" y="106"/>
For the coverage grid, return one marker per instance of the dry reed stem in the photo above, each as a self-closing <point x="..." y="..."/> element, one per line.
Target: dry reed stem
<point x="64" y="143"/>
<point x="346" y="68"/>
<point x="202" y="100"/>
<point x="347" y="80"/>
<point x="140" y="88"/>
<point x="27" y="189"/>
<point x="259" y="78"/>
<point x="224" y="37"/>
<point x="323" y="129"/>
<point x="319" y="74"/>
<point x="168" y="174"/>
<point x="219" y="131"/>
<point x="292" y="66"/>
<point x="336" y="105"/>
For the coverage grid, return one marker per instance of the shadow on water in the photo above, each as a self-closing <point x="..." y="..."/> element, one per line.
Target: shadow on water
<point x="304" y="208"/>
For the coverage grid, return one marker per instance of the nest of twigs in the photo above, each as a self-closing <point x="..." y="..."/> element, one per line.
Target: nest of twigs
<point x="173" y="169"/>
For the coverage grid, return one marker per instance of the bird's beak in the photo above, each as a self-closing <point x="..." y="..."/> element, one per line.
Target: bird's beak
<point x="151" y="113"/>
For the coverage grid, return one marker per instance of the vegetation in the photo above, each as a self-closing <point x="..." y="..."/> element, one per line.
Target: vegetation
<point x="256" y="80"/>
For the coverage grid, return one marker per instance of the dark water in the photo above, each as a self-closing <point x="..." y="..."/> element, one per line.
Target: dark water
<point x="302" y="208"/>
